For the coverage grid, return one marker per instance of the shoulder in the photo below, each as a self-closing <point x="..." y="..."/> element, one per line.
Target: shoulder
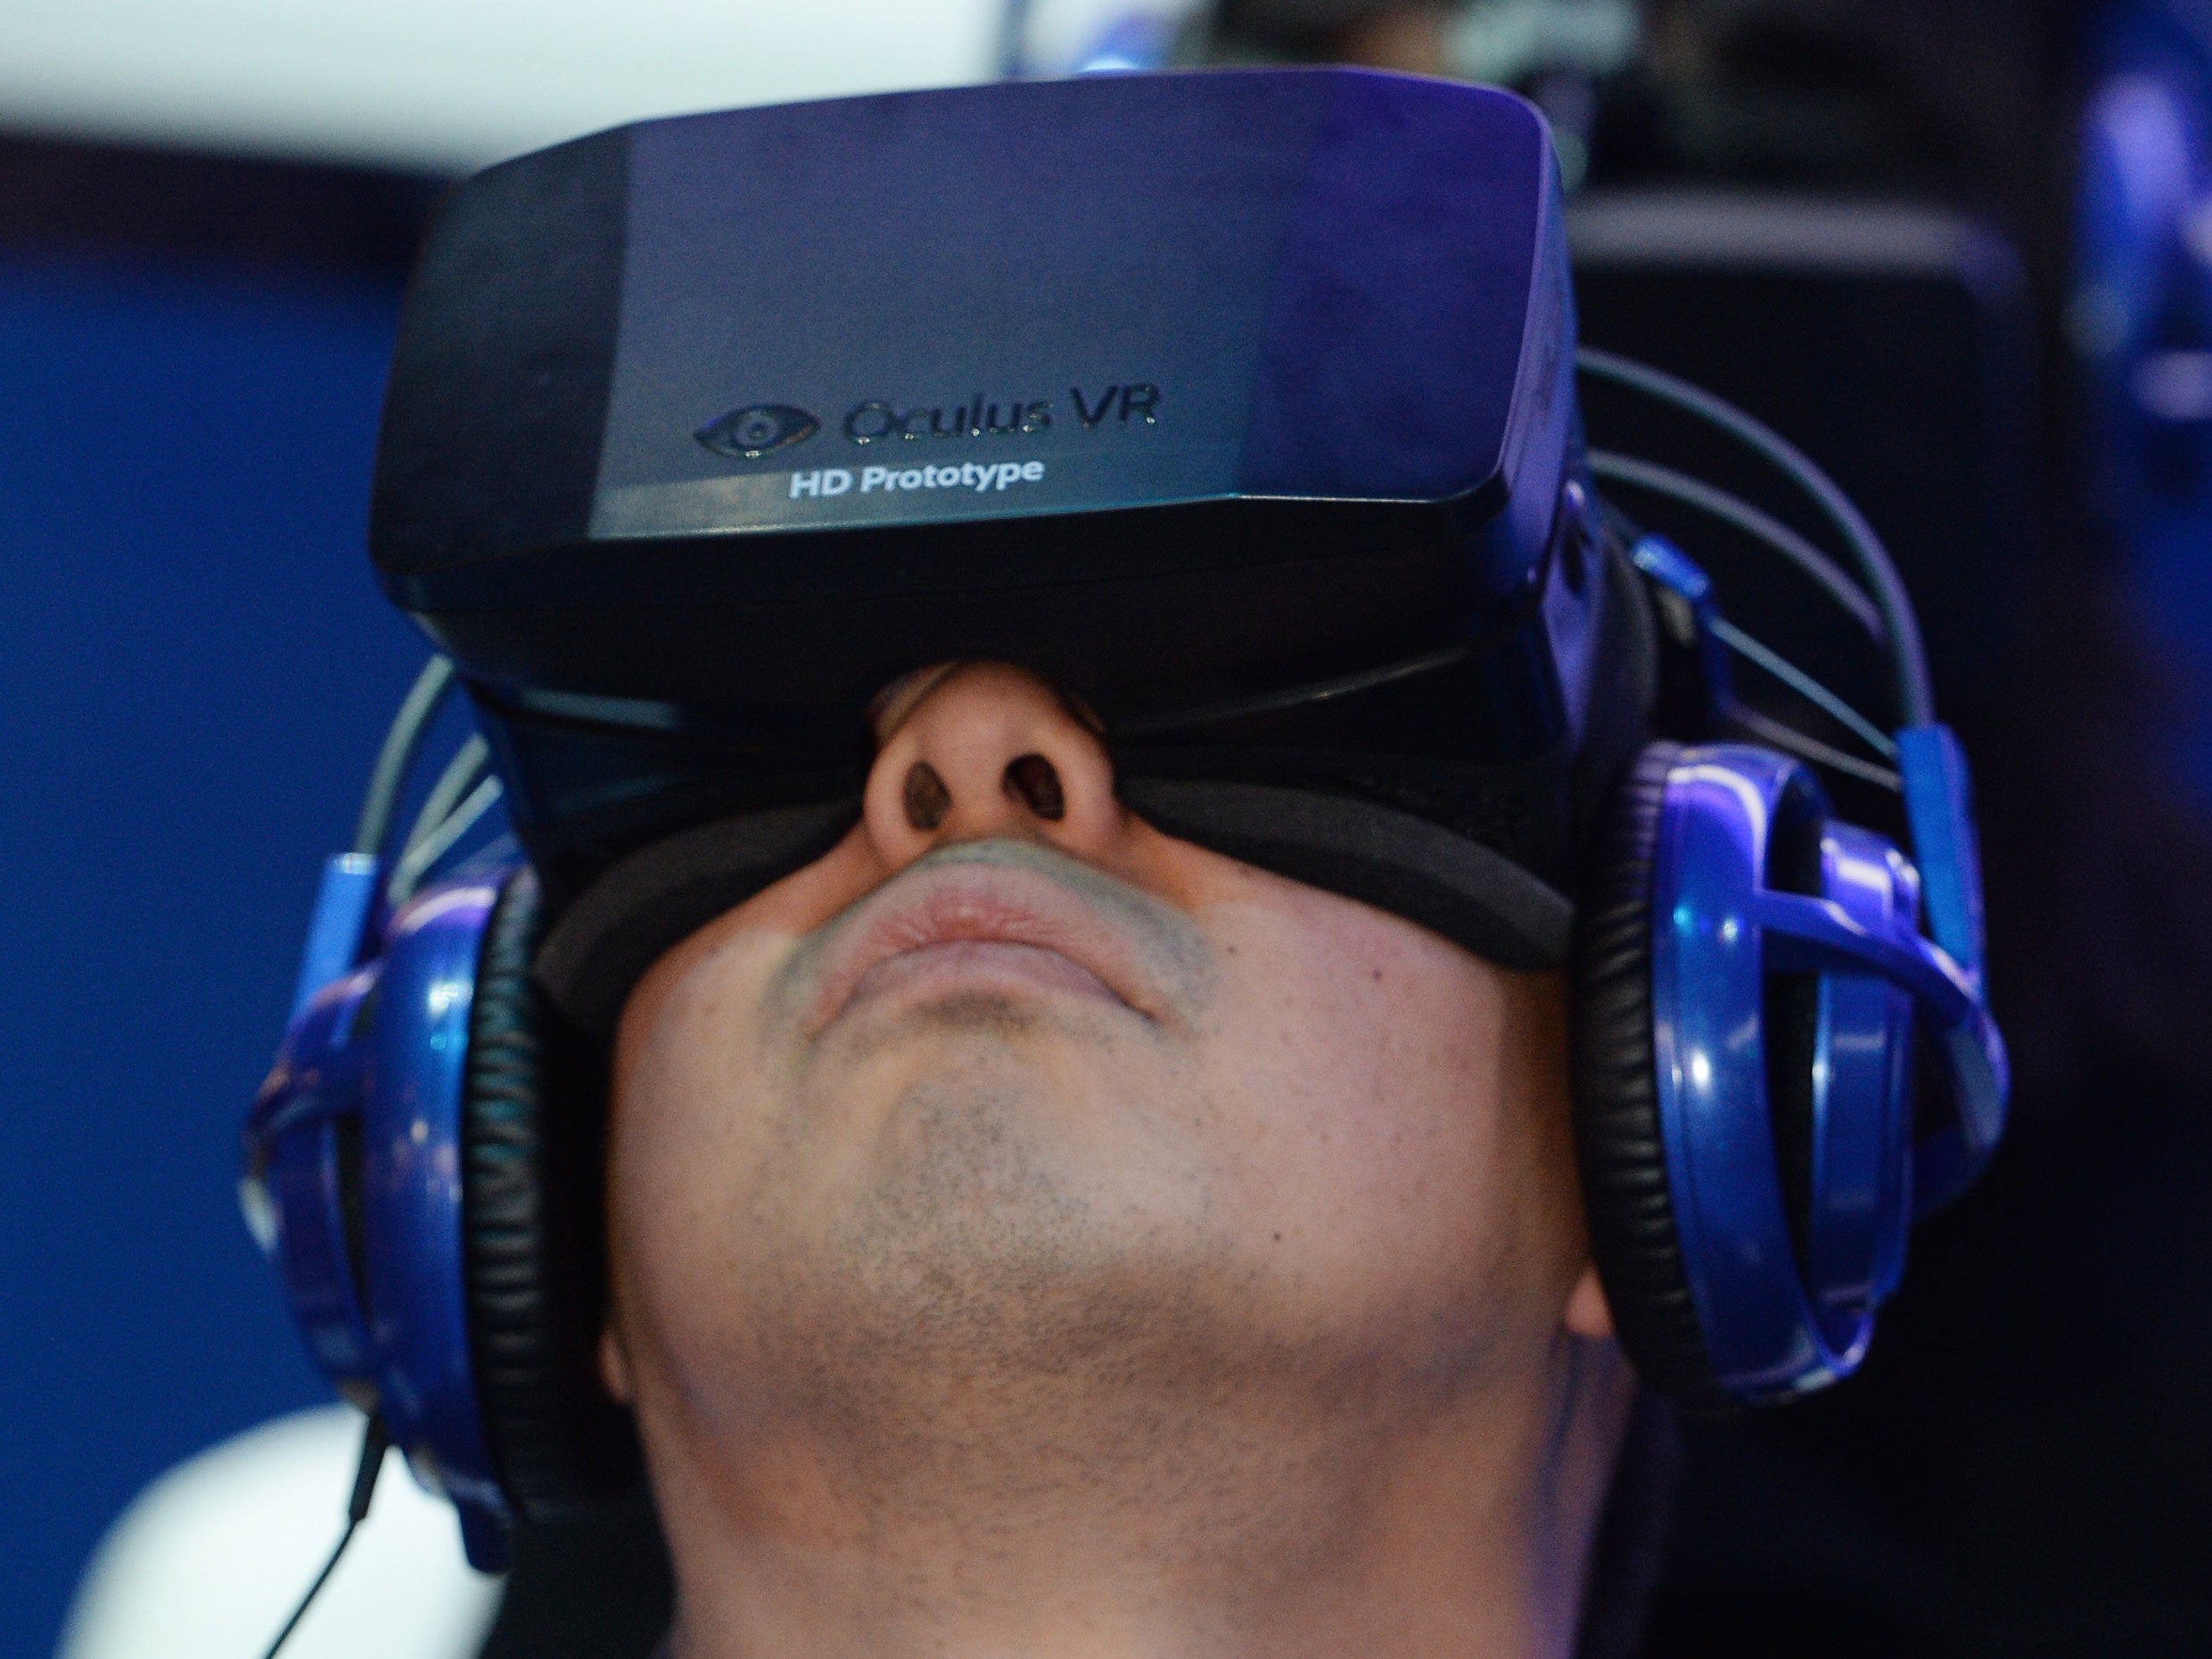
<point x="211" y="1557"/>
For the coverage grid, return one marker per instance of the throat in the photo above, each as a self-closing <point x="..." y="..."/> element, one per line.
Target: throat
<point x="1095" y="1510"/>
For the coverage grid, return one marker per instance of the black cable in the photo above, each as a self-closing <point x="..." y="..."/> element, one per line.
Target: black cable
<point x="1295" y="696"/>
<point x="1734" y="510"/>
<point x="1781" y="736"/>
<point x="1908" y="656"/>
<point x="1791" y="675"/>
<point x="1791" y="740"/>
<point x="390" y="771"/>
<point x="374" y="1444"/>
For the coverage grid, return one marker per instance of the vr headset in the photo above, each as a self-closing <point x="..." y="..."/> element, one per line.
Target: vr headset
<point x="1243" y="406"/>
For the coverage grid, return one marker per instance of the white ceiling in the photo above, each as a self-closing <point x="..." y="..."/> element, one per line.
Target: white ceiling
<point x="449" y="84"/>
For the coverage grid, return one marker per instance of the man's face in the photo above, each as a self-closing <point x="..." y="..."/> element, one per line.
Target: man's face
<point x="1013" y="1122"/>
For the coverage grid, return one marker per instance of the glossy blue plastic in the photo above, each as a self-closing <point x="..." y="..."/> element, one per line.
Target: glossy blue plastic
<point x="343" y="903"/>
<point x="1775" y="1324"/>
<point x="411" y="1195"/>
<point x="1939" y="806"/>
<point x="1862" y="1091"/>
<point x="1676" y="572"/>
<point x="298" y="1141"/>
<point x="383" y="1302"/>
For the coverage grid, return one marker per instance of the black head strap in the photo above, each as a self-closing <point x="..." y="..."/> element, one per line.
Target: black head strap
<point x="655" y="899"/>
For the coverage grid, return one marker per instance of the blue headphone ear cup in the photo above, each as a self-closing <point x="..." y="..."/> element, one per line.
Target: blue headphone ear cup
<point x="533" y="1249"/>
<point x="1618" y="1137"/>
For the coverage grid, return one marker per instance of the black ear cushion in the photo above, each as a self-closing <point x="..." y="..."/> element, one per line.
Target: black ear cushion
<point x="532" y="1237"/>
<point x="1616" y="1103"/>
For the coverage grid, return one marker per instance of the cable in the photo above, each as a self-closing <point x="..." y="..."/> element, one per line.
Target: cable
<point x="1296" y="696"/>
<point x="459" y="777"/>
<point x="1781" y="736"/>
<point x="1665" y="481"/>
<point x="1789" y="738"/>
<point x="417" y="861"/>
<point x="1804" y="686"/>
<point x="455" y="781"/>
<point x="1907" y="654"/>
<point x="391" y="771"/>
<point x="374" y="1444"/>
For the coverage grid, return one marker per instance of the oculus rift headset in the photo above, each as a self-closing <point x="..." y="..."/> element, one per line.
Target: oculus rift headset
<point x="1242" y="405"/>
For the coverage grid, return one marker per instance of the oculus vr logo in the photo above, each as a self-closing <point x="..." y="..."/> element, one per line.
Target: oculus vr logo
<point x="760" y="429"/>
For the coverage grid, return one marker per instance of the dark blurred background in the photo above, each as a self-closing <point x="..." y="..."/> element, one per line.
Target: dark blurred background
<point x="1960" y="249"/>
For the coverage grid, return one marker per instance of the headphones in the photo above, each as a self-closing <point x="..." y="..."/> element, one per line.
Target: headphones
<point x="1760" y="990"/>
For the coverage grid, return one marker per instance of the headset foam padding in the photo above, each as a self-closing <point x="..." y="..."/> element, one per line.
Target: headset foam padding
<point x="649" y="902"/>
<point x="658" y="896"/>
<point x="1618" y="1136"/>
<point x="533" y="1252"/>
<point x="1449" y="884"/>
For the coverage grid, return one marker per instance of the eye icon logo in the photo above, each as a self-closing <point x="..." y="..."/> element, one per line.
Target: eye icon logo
<point x="762" y="428"/>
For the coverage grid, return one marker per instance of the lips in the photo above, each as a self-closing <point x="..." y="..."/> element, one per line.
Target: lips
<point x="966" y="925"/>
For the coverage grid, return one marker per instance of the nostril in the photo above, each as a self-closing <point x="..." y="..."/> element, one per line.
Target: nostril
<point x="926" y="798"/>
<point x="1034" y="780"/>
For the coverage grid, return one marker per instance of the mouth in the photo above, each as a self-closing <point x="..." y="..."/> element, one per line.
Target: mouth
<point x="977" y="922"/>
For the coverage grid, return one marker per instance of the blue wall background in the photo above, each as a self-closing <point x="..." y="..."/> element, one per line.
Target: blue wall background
<point x="194" y="671"/>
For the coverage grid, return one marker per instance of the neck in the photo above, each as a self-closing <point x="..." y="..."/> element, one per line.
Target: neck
<point x="1214" y="1527"/>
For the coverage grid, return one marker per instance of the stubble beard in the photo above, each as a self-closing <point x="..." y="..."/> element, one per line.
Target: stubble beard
<point x="980" y="1340"/>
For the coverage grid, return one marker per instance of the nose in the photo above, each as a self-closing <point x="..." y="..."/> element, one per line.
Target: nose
<point x="982" y="750"/>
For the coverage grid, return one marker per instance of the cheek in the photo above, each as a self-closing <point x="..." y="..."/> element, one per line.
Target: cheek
<point x="1398" y="1110"/>
<point x="683" y="1154"/>
<point x="688" y="1143"/>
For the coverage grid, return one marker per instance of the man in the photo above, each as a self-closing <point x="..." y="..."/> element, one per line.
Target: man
<point x="1033" y="1233"/>
<point x="1099" y="1149"/>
